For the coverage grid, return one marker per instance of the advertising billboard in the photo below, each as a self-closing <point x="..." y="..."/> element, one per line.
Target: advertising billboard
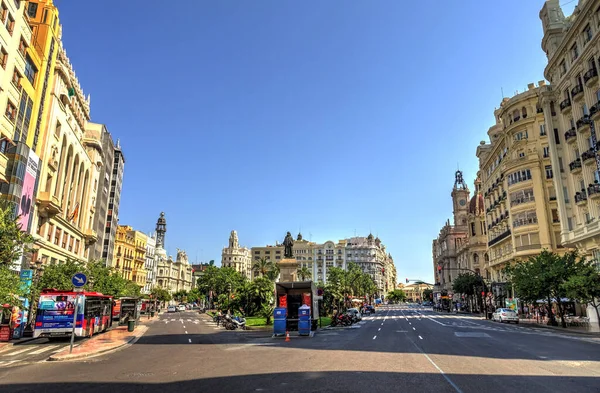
<point x="25" y="207"/>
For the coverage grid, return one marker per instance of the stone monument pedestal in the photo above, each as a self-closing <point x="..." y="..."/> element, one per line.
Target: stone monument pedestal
<point x="288" y="270"/>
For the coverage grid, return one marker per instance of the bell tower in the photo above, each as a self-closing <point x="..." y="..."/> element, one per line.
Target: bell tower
<point x="233" y="241"/>
<point x="460" y="197"/>
<point x="161" y="230"/>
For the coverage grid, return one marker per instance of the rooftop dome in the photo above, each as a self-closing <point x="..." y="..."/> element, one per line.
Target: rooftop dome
<point x="476" y="206"/>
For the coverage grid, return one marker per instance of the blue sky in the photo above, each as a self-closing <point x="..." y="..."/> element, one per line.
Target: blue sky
<point x="266" y="116"/>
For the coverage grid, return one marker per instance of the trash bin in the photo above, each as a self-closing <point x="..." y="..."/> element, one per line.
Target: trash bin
<point x="279" y="321"/>
<point x="304" y="320"/>
<point x="152" y="314"/>
<point x="130" y="325"/>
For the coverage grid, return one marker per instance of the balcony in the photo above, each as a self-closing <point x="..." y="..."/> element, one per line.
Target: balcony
<point x="499" y="238"/>
<point x="571" y="135"/>
<point x="593" y="191"/>
<point x="48" y="205"/>
<point x="90" y="236"/>
<point x="583" y="124"/>
<point x="580" y="198"/>
<point x="575" y="166"/>
<point x="590" y="77"/>
<point x="577" y="92"/>
<point x="565" y="105"/>
<point x="589" y="156"/>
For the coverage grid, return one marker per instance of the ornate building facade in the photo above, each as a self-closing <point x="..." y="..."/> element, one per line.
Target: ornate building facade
<point x="451" y="236"/>
<point x="571" y="107"/>
<point x="471" y="253"/>
<point x="237" y="257"/>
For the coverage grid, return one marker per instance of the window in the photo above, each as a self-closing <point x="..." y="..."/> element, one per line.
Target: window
<point x="30" y="69"/>
<point x="16" y="78"/>
<point x="555" y="215"/>
<point x="22" y="46"/>
<point x="566" y="194"/>
<point x="4" y="58"/>
<point x="522" y="196"/>
<point x="560" y="164"/>
<point x="519" y="176"/>
<point x="472" y="229"/>
<point x="574" y="52"/>
<point x="546" y="151"/>
<point x="563" y="68"/>
<point x="549" y="174"/>
<point x="10" y="24"/>
<point x="3" y="13"/>
<point x="587" y="34"/>
<point x="32" y="10"/>
<point x="57" y="134"/>
<point x="11" y="111"/>
<point x="542" y="129"/>
<point x="525" y="218"/>
<point x="556" y="137"/>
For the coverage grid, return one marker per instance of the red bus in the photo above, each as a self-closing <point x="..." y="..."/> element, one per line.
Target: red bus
<point x="54" y="317"/>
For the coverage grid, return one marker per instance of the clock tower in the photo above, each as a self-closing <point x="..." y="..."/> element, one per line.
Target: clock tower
<point x="460" y="199"/>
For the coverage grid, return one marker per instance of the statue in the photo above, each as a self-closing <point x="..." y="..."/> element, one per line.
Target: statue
<point x="288" y="243"/>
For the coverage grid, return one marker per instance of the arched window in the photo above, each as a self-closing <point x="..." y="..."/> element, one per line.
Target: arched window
<point x="486" y="258"/>
<point x="524" y="112"/>
<point x="475" y="259"/>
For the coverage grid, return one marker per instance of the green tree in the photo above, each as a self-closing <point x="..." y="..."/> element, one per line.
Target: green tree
<point x="304" y="273"/>
<point x="58" y="276"/>
<point x="194" y="295"/>
<point x="544" y="277"/>
<point x="584" y="286"/>
<point x="266" y="311"/>
<point x="13" y="241"/>
<point x="465" y="283"/>
<point x="396" y="296"/>
<point x="180" y="296"/>
<point x="10" y="287"/>
<point x="161" y="294"/>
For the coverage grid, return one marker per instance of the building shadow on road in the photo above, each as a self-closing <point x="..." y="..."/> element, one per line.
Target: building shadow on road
<point x="337" y="381"/>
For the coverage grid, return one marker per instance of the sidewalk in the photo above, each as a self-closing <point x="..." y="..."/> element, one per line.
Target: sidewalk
<point x="592" y="330"/>
<point x="112" y="340"/>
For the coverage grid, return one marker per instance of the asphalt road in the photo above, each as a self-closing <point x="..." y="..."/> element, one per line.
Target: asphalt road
<point x="34" y="351"/>
<point x="398" y="349"/>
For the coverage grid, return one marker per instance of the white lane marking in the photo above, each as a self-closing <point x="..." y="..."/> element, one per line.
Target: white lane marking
<point x="414" y="329"/>
<point x="456" y="388"/>
<point x="379" y="330"/>
<point x="8" y="362"/>
<point x="186" y="332"/>
<point x="420" y="337"/>
<point x="184" y="326"/>
<point x="374" y="337"/>
<point x="44" y="349"/>
<point x="381" y="323"/>
<point x="190" y="340"/>
<point x="410" y="323"/>
<point x="21" y="351"/>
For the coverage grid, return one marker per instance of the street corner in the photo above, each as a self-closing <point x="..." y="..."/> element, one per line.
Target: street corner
<point x="103" y="343"/>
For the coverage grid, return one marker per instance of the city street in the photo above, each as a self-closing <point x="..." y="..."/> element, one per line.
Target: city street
<point x="398" y="348"/>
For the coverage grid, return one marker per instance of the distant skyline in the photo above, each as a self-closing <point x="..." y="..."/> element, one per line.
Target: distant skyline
<point x="271" y="116"/>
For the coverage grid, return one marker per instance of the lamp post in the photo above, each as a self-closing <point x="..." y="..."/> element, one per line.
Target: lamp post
<point x="38" y="270"/>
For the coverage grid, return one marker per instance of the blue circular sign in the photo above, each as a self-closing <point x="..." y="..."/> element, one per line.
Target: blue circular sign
<point x="79" y="279"/>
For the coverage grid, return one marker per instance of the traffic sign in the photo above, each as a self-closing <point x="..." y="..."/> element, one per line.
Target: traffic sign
<point x="79" y="279"/>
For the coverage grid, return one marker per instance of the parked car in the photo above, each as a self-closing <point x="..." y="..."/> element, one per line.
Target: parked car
<point x="368" y="309"/>
<point x="505" y="315"/>
<point x="355" y="314"/>
<point x="171" y="309"/>
<point x="181" y="307"/>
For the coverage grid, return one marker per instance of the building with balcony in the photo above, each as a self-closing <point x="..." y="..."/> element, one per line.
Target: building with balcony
<point x="114" y="200"/>
<point x="29" y="38"/>
<point x="173" y="275"/>
<point x="471" y="253"/>
<point x="237" y="257"/>
<point x="518" y="169"/>
<point x="99" y="142"/>
<point x="125" y="249"/>
<point x="65" y="203"/>
<point x="451" y="236"/>
<point x="367" y="252"/>
<point x="150" y="266"/>
<point x="572" y="46"/>
<point x="139" y="261"/>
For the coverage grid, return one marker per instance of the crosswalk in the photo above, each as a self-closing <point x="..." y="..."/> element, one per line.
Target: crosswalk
<point x="22" y="354"/>
<point x="192" y="320"/>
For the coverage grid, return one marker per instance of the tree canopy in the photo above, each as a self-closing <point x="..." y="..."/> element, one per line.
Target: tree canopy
<point x="13" y="241"/>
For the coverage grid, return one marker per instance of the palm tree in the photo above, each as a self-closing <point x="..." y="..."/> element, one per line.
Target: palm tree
<point x="262" y="266"/>
<point x="304" y="273"/>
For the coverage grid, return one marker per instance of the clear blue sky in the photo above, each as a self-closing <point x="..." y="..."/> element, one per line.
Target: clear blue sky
<point x="266" y="116"/>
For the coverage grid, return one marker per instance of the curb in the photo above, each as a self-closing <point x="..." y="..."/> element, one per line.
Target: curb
<point x="68" y="357"/>
<point x="560" y="329"/>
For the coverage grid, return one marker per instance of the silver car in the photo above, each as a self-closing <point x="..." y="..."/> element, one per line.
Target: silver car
<point x="505" y="315"/>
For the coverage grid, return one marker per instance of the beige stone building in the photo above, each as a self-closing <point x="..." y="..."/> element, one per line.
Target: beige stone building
<point x="452" y="235"/>
<point x="173" y="275"/>
<point x="517" y="171"/>
<point x="237" y="257"/>
<point x="65" y="203"/>
<point x="414" y="292"/>
<point x="471" y="252"/>
<point x="367" y="252"/>
<point x="571" y="106"/>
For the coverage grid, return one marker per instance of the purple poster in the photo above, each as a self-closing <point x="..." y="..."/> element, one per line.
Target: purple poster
<point x="26" y="204"/>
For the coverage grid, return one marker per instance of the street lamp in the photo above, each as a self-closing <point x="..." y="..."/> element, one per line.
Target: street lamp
<point x="38" y="270"/>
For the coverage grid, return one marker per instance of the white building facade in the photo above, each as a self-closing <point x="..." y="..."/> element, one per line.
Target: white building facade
<point x="237" y="257"/>
<point x="150" y="266"/>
